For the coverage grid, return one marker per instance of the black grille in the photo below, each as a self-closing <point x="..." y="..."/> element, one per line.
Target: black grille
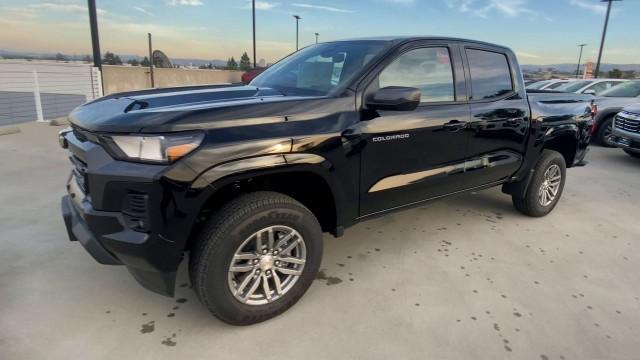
<point x="628" y="122"/>
<point x="80" y="173"/>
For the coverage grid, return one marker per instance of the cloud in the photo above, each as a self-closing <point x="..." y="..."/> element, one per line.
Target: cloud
<point x="261" y="5"/>
<point x="142" y="10"/>
<point x="185" y="2"/>
<point x="598" y="8"/>
<point x="401" y="2"/>
<point x="33" y="11"/>
<point x="483" y="8"/>
<point x="321" y="7"/>
<point x="523" y="54"/>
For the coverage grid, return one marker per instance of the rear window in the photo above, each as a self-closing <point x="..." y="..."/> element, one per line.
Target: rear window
<point x="574" y="86"/>
<point x="537" y="85"/>
<point x="490" y="74"/>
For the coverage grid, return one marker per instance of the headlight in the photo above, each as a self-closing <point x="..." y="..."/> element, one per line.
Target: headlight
<point x="154" y="148"/>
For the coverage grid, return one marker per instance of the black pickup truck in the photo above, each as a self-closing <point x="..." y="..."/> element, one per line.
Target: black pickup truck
<point x="244" y="179"/>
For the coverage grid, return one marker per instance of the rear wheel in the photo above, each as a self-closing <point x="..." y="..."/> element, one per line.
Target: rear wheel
<point x="604" y="132"/>
<point x="546" y="186"/>
<point x="256" y="257"/>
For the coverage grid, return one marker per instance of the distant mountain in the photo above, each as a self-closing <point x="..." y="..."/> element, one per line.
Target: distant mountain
<point x="570" y="68"/>
<point x="9" y="54"/>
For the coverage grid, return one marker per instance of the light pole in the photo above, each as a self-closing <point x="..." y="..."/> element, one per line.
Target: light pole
<point x="579" y="59"/>
<point x="317" y="37"/>
<point x="604" y="34"/>
<point x="297" y="17"/>
<point x="253" y="11"/>
<point x="151" y="61"/>
<point x="95" y="39"/>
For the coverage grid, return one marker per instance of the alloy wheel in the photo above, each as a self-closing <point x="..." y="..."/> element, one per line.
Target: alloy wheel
<point x="550" y="185"/>
<point x="267" y="265"/>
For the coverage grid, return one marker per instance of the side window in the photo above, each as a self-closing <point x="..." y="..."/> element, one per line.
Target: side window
<point x="490" y="74"/>
<point x="555" y="85"/>
<point x="428" y="69"/>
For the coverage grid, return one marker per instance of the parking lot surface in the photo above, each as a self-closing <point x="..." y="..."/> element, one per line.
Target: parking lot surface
<point x="461" y="278"/>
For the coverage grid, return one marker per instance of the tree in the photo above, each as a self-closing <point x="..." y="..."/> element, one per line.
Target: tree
<point x="61" y="57"/>
<point x="245" y="62"/>
<point x="145" y="62"/>
<point x="232" y="64"/>
<point x="133" y="62"/>
<point x="111" y="59"/>
<point x="629" y="74"/>
<point x="615" y="74"/>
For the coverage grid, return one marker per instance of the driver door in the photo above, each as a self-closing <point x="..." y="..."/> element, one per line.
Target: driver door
<point x="410" y="156"/>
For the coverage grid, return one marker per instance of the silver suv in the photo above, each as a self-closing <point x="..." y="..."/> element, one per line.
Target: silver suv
<point x="626" y="130"/>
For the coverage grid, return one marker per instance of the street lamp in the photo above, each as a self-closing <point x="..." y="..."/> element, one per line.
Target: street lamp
<point x="95" y="39"/>
<point x="317" y="37"/>
<point x="297" y="17"/>
<point x="253" y="12"/>
<point x="579" y="59"/>
<point x="604" y="34"/>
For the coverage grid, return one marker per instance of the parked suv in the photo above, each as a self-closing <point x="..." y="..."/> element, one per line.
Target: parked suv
<point x="592" y="86"/>
<point x="626" y="130"/>
<point x="243" y="180"/>
<point x="610" y="103"/>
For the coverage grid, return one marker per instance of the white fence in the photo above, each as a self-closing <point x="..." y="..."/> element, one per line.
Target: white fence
<point x="43" y="90"/>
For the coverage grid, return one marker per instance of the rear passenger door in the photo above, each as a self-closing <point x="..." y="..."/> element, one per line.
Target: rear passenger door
<point x="499" y="115"/>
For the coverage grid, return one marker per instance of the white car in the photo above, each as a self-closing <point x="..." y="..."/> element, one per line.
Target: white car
<point x="548" y="84"/>
<point x="591" y="86"/>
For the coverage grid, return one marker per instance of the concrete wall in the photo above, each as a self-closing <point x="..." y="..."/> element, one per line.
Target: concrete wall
<point x="126" y="78"/>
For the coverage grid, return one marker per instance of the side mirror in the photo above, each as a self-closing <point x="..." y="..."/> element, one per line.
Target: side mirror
<point x="395" y="98"/>
<point x="589" y="92"/>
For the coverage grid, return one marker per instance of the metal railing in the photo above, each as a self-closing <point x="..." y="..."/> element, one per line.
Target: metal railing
<point x="41" y="91"/>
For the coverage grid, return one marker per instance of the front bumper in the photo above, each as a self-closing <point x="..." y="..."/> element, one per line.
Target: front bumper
<point x="627" y="140"/>
<point x="98" y="213"/>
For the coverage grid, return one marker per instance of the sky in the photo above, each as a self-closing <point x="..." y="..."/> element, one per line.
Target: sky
<point x="540" y="31"/>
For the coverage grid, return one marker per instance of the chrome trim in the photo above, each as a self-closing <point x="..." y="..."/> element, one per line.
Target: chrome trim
<point x="486" y="161"/>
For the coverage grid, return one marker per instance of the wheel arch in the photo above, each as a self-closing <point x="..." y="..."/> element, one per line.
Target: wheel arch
<point x="564" y="141"/>
<point x="305" y="177"/>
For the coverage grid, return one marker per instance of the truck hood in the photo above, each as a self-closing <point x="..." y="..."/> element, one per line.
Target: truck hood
<point x="182" y="108"/>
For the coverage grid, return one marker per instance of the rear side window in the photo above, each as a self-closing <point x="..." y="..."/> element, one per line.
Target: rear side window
<point x="490" y="74"/>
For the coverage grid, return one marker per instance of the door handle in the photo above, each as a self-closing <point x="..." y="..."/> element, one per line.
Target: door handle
<point x="454" y="125"/>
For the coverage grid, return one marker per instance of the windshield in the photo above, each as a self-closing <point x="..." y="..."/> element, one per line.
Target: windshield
<point x="319" y="69"/>
<point x="573" y="86"/>
<point x="537" y="85"/>
<point x="627" y="89"/>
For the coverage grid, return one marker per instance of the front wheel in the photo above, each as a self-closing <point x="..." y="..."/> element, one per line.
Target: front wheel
<point x="546" y="186"/>
<point x="256" y="257"/>
<point x="604" y="132"/>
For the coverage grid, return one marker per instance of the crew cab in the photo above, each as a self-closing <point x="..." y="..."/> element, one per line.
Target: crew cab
<point x="243" y="180"/>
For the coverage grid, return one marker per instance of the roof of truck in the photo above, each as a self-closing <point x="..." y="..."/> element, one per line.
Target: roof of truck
<point x="406" y="38"/>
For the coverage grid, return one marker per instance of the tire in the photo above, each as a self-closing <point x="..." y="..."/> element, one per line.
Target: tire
<point x="604" y="130"/>
<point x="532" y="204"/>
<point x="236" y="227"/>
<point x="633" y="154"/>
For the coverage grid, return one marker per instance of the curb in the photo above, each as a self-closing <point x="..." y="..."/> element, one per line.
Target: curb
<point x="9" y="130"/>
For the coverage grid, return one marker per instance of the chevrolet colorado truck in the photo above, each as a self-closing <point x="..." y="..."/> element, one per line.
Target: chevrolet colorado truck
<point x="243" y="179"/>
